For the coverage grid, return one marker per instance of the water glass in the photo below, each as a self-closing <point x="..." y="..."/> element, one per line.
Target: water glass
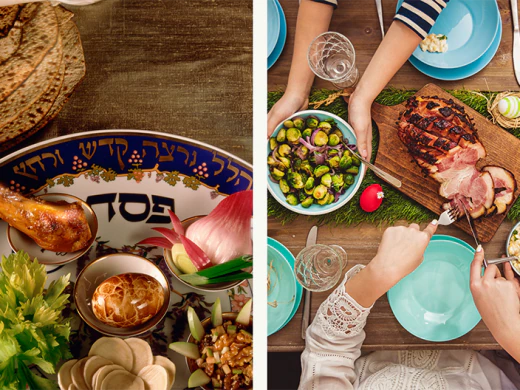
<point x="319" y="267"/>
<point x="332" y="57"/>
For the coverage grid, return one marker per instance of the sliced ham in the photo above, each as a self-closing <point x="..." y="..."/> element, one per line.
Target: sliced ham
<point x="504" y="185"/>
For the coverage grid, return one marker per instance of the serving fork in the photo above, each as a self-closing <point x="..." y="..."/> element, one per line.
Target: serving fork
<point x="448" y="217"/>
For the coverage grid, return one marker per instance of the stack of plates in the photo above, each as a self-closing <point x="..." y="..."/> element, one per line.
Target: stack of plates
<point x="284" y="292"/>
<point x="276" y="31"/>
<point x="474" y="30"/>
<point x="41" y="62"/>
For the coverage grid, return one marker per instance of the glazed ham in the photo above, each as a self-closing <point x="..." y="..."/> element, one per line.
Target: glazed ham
<point x="443" y="141"/>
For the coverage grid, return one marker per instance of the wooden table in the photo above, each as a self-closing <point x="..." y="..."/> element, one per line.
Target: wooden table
<point x="383" y="332"/>
<point x="179" y="67"/>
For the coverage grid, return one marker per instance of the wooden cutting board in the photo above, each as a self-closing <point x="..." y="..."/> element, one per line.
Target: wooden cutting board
<point x="503" y="149"/>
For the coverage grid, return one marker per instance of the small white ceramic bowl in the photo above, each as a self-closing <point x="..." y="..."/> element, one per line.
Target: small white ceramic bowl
<point x="515" y="268"/>
<point x="175" y="271"/>
<point x="20" y="241"/>
<point x="105" y="267"/>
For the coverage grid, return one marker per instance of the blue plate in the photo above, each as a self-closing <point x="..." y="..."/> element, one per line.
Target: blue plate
<point x="290" y="258"/>
<point x="470" y="25"/>
<point x="317" y="209"/>
<point x="434" y="302"/>
<point x="273" y="26"/>
<point x="273" y="57"/>
<point x="282" y="296"/>
<point x="465" y="71"/>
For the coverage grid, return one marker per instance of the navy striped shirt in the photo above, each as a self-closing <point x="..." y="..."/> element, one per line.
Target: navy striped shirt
<point x="419" y="15"/>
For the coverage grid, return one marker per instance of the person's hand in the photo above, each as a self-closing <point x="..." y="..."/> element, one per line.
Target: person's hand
<point x="284" y="108"/>
<point x="496" y="298"/>
<point x="510" y="275"/>
<point x="361" y="121"/>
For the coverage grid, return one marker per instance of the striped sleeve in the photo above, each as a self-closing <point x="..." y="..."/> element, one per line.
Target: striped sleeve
<point x="420" y="15"/>
<point x="334" y="3"/>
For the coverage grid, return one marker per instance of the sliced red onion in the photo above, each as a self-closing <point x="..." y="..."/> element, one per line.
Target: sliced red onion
<point x="300" y="154"/>
<point x="320" y="158"/>
<point x="157" y="241"/>
<point x="313" y="136"/>
<point x="196" y="255"/>
<point x="352" y="146"/>
<point x="169" y="234"/>
<point x="337" y="196"/>
<point x="176" y="223"/>
<point x="272" y="179"/>
<point x="307" y="145"/>
<point x="273" y="155"/>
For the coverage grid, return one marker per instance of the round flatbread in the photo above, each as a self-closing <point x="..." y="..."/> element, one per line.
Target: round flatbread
<point x="100" y="374"/>
<point x="93" y="364"/>
<point x="115" y="350"/>
<point x="170" y="368"/>
<point x="64" y="374"/>
<point x="142" y="353"/>
<point x="118" y="380"/>
<point x="76" y="373"/>
<point x="154" y="377"/>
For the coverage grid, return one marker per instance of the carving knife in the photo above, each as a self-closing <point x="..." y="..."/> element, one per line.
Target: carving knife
<point x="516" y="40"/>
<point x="311" y="240"/>
<point x="472" y="227"/>
<point x="379" y="7"/>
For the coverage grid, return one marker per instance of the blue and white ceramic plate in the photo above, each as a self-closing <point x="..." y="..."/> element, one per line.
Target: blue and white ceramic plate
<point x="434" y="302"/>
<point x="277" y="51"/>
<point x="131" y="178"/>
<point x="465" y="71"/>
<point x="470" y="25"/>
<point x="273" y="26"/>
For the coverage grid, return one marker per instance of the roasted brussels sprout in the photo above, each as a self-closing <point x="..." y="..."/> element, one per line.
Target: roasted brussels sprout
<point x="325" y="126"/>
<point x="320" y="192"/>
<point x="356" y="161"/>
<point x="333" y="140"/>
<point x="309" y="183"/>
<point x="334" y="162"/>
<point x="332" y="153"/>
<point x="295" y="180"/>
<point x="349" y="180"/>
<point x="323" y="201"/>
<point x="288" y="123"/>
<point x="306" y="133"/>
<point x="273" y="143"/>
<point x="292" y="199"/>
<point x="297" y="164"/>
<point x="280" y="137"/>
<point x="312" y="122"/>
<point x="345" y="162"/>
<point x="330" y="198"/>
<point x="285" y="162"/>
<point x="321" y="138"/>
<point x="271" y="161"/>
<point x="293" y="135"/>
<point x="309" y="191"/>
<point x="284" y="150"/>
<point x="284" y="186"/>
<point x="307" y="202"/>
<point x="277" y="174"/>
<point x="302" y="196"/>
<point x="302" y="152"/>
<point x="320" y="170"/>
<point x="337" y="182"/>
<point x="299" y="123"/>
<point x="326" y="180"/>
<point x="353" y="169"/>
<point x="338" y="133"/>
<point x="306" y="167"/>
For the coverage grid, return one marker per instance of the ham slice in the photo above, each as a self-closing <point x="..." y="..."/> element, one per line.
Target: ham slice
<point x="443" y="141"/>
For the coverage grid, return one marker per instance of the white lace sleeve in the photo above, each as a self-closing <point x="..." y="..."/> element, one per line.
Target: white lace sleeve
<point x="334" y="340"/>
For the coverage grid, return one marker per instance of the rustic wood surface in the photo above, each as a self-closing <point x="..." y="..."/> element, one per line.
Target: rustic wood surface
<point x="180" y="67"/>
<point x="393" y="156"/>
<point x="383" y="332"/>
<point x="361" y="25"/>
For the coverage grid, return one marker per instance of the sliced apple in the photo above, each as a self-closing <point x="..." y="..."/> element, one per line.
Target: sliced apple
<point x="142" y="353"/>
<point x="244" y="316"/>
<point x="216" y="313"/>
<point x="198" y="378"/>
<point x="196" y="328"/>
<point x="190" y="350"/>
<point x="170" y="368"/>
<point x="64" y="374"/>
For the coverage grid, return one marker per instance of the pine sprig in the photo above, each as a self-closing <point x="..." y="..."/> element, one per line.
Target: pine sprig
<point x="396" y="205"/>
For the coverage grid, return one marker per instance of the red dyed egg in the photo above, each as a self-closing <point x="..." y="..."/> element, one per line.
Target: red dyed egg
<point x="371" y="198"/>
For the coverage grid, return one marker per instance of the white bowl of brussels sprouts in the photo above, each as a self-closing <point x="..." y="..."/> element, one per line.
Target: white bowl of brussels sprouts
<point x="310" y="168"/>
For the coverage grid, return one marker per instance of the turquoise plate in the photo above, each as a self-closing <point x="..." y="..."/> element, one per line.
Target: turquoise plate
<point x="465" y="71"/>
<point x="277" y="51"/>
<point x="470" y="25"/>
<point x="282" y="296"/>
<point x="434" y="302"/>
<point x="273" y="26"/>
<point x="290" y="258"/>
<point x="317" y="209"/>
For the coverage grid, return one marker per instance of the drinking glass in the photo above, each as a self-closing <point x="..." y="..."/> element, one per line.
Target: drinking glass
<point x="319" y="267"/>
<point x="331" y="57"/>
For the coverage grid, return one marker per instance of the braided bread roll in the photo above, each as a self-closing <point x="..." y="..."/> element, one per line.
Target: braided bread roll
<point x="127" y="300"/>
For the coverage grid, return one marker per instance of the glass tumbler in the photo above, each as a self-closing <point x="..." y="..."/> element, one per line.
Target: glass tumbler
<point x="331" y="57"/>
<point x="319" y="267"/>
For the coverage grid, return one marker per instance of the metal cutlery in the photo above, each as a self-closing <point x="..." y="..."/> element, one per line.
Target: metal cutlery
<point x="472" y="228"/>
<point x="448" y="217"/>
<point x="382" y="174"/>
<point x="311" y="240"/>
<point x="379" y="7"/>
<point x="502" y="260"/>
<point x="516" y="39"/>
